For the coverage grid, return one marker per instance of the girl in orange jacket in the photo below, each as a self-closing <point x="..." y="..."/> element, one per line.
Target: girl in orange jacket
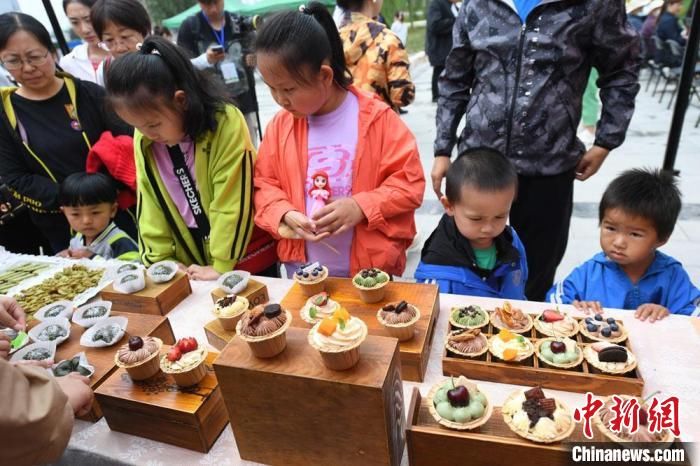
<point x="371" y="158"/>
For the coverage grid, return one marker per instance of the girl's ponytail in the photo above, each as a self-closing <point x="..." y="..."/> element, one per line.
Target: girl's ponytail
<point x="305" y="37"/>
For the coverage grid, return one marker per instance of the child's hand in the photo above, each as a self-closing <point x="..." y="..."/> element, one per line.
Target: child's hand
<point x="63" y="253"/>
<point x="4" y="346"/>
<point x="338" y="216"/>
<point x="44" y="363"/>
<point x="587" y="306"/>
<point x="82" y="253"/>
<point x="77" y="389"/>
<point x="653" y="312"/>
<point x="197" y="272"/>
<point x="303" y="227"/>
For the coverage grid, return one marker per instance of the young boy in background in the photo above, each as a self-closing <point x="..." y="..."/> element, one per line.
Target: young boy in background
<point x="89" y="202"/>
<point x="472" y="251"/>
<point x="637" y="215"/>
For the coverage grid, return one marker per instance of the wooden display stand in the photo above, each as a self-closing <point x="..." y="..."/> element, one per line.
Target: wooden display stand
<point x="415" y="352"/>
<point x="583" y="378"/>
<point x="155" y="299"/>
<point x="431" y="444"/>
<point x="255" y="293"/>
<point x="158" y="409"/>
<point x="217" y="336"/>
<point x="103" y="358"/>
<point x="291" y="410"/>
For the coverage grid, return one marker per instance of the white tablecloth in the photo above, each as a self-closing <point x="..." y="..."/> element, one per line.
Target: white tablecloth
<point x="668" y="354"/>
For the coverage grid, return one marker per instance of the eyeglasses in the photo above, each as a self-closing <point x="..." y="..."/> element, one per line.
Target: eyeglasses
<point x="126" y="41"/>
<point x="17" y="63"/>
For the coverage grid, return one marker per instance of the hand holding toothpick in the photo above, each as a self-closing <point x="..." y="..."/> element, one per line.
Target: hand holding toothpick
<point x="296" y="225"/>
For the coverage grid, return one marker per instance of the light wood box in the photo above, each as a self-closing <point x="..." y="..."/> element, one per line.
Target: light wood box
<point x="414" y="352"/>
<point x="158" y="409"/>
<point x="255" y="293"/>
<point x="155" y="299"/>
<point x="583" y="378"/>
<point x="291" y="410"/>
<point x="103" y="358"/>
<point x="430" y="444"/>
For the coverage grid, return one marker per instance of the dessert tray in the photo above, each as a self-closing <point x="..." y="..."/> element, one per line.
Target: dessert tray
<point x="532" y="370"/>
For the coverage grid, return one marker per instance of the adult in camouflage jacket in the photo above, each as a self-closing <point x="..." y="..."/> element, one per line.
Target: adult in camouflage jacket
<point x="519" y="77"/>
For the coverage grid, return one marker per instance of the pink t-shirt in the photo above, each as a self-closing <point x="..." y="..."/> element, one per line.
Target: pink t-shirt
<point x="331" y="148"/>
<point x="172" y="183"/>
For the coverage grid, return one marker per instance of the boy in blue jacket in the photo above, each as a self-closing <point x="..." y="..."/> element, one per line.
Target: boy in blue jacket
<point x="472" y="251"/>
<point x="637" y="214"/>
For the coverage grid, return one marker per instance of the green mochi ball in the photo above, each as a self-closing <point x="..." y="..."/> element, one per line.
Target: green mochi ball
<point x="441" y="395"/>
<point x="382" y="278"/>
<point x="445" y="410"/>
<point x="462" y="415"/>
<point x="476" y="409"/>
<point x="369" y="282"/>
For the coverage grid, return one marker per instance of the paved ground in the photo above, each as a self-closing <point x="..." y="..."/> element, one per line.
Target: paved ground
<point x="645" y="145"/>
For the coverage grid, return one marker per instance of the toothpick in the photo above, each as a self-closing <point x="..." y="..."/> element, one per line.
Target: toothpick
<point x="323" y="242"/>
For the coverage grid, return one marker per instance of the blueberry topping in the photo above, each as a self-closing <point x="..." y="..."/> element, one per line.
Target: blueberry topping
<point x="592" y="328"/>
<point x="314" y="273"/>
<point x="614" y="327"/>
<point x="606" y="332"/>
<point x="589" y="320"/>
<point x="305" y="275"/>
<point x="598" y="317"/>
<point x="610" y="320"/>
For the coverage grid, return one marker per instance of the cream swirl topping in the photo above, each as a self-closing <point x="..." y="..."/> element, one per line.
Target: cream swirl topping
<point x="186" y="362"/>
<point x="351" y="334"/>
<point x="128" y="357"/>
<point x="225" y="308"/>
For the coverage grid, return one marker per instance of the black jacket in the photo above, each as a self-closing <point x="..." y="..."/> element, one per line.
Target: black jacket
<point x="438" y="38"/>
<point x="521" y="85"/>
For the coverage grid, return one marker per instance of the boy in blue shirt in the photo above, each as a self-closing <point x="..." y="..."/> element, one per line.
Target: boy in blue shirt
<point x="637" y="214"/>
<point x="472" y="251"/>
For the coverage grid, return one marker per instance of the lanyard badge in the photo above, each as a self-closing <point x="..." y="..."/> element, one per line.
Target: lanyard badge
<point x="73" y="115"/>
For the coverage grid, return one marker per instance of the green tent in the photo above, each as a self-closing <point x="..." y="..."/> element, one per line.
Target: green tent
<point x="243" y="7"/>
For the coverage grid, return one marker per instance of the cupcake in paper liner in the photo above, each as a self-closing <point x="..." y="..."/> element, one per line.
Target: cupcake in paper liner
<point x="129" y="282"/>
<point x="57" y="309"/>
<point x="162" y="272"/>
<point x="39" y="351"/>
<point x="77" y="363"/>
<point x="318" y="307"/>
<point x="338" y="339"/>
<point x="89" y="314"/>
<point x="311" y="278"/>
<point x="54" y="329"/>
<point x="229" y="311"/>
<point x="371" y="284"/>
<point x="185" y="362"/>
<point x="264" y="328"/>
<point x="234" y="282"/>
<point x="140" y="357"/>
<point x="106" y="332"/>
<point x="467" y="342"/>
<point x="399" y="319"/>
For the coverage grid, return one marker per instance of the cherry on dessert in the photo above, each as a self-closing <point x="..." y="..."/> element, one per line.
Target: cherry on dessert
<point x="557" y="347"/>
<point x="272" y="310"/>
<point x="135" y="343"/>
<point x="458" y="396"/>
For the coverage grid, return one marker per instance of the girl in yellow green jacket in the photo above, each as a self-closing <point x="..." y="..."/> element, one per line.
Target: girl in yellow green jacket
<point x="194" y="161"/>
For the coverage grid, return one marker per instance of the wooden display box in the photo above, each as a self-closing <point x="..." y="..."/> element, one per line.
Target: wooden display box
<point x="291" y="410"/>
<point x="158" y="409"/>
<point x="415" y="352"/>
<point x="255" y="293"/>
<point x="217" y="336"/>
<point x="155" y="299"/>
<point x="584" y="378"/>
<point x="103" y="358"/>
<point x="431" y="444"/>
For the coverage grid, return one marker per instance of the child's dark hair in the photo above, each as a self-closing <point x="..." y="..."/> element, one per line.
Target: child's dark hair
<point x="83" y="189"/>
<point x="482" y="168"/>
<point x="160" y="69"/>
<point x="87" y="3"/>
<point x="307" y="37"/>
<point x="352" y="5"/>
<point x="127" y="13"/>
<point x="648" y="193"/>
<point x="10" y="23"/>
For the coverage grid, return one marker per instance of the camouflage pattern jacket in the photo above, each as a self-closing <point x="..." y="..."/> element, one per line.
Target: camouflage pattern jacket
<point x="377" y="60"/>
<point x="521" y="85"/>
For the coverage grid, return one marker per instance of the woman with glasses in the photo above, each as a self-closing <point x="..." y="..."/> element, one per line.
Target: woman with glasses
<point x="122" y="25"/>
<point x="84" y="60"/>
<point x="47" y="125"/>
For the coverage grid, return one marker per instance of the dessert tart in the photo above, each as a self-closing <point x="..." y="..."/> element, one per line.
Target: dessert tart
<point x="139" y="356"/>
<point x="600" y="328"/>
<point x="229" y="311"/>
<point x="53" y="329"/>
<point x="605" y="416"/>
<point x="610" y="357"/>
<point x="556" y="324"/>
<point x="511" y="318"/>
<point x="57" y="309"/>
<point x="264" y="328"/>
<point x="162" y="272"/>
<point x="312" y="278"/>
<point x="563" y="353"/>
<point x="234" y="282"/>
<point x="338" y="339"/>
<point x="468" y="317"/>
<point x="459" y="404"/>
<point x="467" y="342"/>
<point x="510" y="347"/>
<point x="185" y="362"/>
<point x="318" y="307"/>
<point x="531" y="415"/>
<point x="370" y="283"/>
<point x="399" y="319"/>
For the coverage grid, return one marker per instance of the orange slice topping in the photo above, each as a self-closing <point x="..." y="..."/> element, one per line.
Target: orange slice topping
<point x="327" y="326"/>
<point x="509" y="354"/>
<point x="341" y="314"/>
<point x="506" y="335"/>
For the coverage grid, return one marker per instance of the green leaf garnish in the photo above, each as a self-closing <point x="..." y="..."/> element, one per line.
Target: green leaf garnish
<point x="313" y="312"/>
<point x="341" y="324"/>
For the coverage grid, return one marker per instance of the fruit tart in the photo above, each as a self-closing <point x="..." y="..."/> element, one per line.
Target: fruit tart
<point x="510" y="347"/>
<point x="467" y="342"/>
<point x="554" y="323"/>
<point x="600" y="328"/>
<point x="399" y="319"/>
<point x="562" y="353"/>
<point x="511" y="318"/>
<point x="371" y="283"/>
<point x="606" y="415"/>
<point x="468" y="317"/>
<point x="531" y="415"/>
<point x="318" y="307"/>
<point x="338" y="339"/>
<point x="185" y="362"/>
<point x="459" y="404"/>
<point x="610" y="357"/>
<point x="311" y="278"/>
